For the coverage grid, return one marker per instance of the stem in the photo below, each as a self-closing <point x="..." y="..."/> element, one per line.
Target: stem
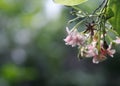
<point x="99" y="44"/>
<point x="70" y="21"/>
<point x="104" y="7"/>
<point x="104" y="1"/>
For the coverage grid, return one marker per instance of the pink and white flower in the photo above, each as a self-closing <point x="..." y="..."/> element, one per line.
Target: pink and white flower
<point x="98" y="56"/>
<point x="91" y="50"/>
<point x="110" y="51"/>
<point x="74" y="38"/>
<point x="103" y="53"/>
<point x="117" y="41"/>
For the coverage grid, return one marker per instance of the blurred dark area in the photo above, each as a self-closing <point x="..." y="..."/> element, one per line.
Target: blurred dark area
<point x="33" y="53"/>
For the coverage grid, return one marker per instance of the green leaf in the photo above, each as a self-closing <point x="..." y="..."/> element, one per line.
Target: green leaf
<point x="69" y="2"/>
<point x="109" y="13"/>
<point x="115" y="21"/>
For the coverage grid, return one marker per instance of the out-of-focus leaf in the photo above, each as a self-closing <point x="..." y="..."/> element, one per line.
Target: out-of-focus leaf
<point x="109" y="13"/>
<point x="70" y="2"/>
<point x="10" y="72"/>
<point x="10" y="7"/>
<point x="115" y="21"/>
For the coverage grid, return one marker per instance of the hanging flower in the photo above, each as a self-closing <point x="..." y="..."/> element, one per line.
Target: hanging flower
<point x="103" y="53"/>
<point x="91" y="50"/>
<point x="117" y="41"/>
<point x="74" y="38"/>
<point x="110" y="51"/>
<point x="98" y="58"/>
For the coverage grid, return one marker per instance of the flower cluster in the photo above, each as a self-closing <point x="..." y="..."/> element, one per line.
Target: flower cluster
<point x="95" y="41"/>
<point x="94" y="47"/>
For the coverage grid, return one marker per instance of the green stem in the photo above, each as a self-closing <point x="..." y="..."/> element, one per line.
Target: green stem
<point x="101" y="6"/>
<point x="70" y="21"/>
<point x="99" y="45"/>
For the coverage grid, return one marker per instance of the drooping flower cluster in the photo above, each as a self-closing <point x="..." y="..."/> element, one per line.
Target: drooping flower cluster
<point x="93" y="49"/>
<point x="95" y="41"/>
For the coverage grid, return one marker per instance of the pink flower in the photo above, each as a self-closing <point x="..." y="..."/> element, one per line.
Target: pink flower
<point x="91" y="50"/>
<point x="74" y="38"/>
<point x="107" y="50"/>
<point x="103" y="53"/>
<point x="117" y="41"/>
<point x="110" y="51"/>
<point x="98" y="58"/>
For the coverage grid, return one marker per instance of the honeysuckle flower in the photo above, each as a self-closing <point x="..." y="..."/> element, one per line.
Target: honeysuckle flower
<point x="74" y="38"/>
<point x="117" y="41"/>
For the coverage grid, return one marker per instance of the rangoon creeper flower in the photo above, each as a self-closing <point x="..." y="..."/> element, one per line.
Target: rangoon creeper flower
<point x="74" y="38"/>
<point x="98" y="58"/>
<point x="108" y="51"/>
<point x="91" y="50"/>
<point x="117" y="41"/>
<point x="103" y="54"/>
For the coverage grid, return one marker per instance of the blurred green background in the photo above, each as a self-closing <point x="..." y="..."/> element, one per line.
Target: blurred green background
<point x="33" y="53"/>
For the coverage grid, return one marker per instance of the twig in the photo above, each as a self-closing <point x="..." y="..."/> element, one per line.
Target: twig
<point x="104" y="1"/>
